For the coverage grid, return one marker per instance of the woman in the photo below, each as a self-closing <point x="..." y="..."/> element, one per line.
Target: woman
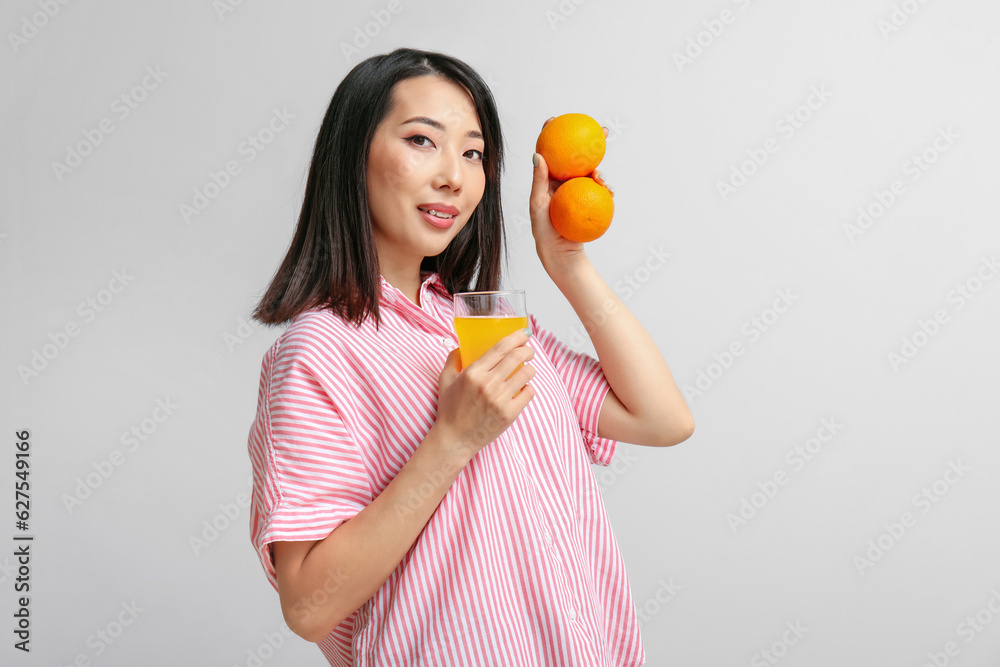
<point x="408" y="511"/>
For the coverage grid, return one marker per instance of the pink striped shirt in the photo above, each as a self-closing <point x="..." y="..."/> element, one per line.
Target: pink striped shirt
<point x="517" y="566"/>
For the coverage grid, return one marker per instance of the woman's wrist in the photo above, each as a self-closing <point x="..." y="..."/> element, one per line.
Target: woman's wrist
<point x="449" y="450"/>
<point x="564" y="271"/>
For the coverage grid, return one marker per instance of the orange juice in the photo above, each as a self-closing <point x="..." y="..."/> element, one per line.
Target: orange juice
<point x="478" y="334"/>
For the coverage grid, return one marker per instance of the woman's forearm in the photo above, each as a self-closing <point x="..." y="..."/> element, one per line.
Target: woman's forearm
<point x="340" y="573"/>
<point x="632" y="363"/>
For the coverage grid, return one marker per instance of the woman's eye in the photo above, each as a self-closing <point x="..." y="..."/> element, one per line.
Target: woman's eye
<point x="422" y="141"/>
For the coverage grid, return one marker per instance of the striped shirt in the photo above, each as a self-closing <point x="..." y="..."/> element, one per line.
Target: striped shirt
<point x="518" y="564"/>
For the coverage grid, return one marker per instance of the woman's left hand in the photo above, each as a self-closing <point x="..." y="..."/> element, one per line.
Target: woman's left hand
<point x="554" y="250"/>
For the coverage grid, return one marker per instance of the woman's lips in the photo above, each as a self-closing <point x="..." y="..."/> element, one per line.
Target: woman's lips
<point x="434" y="221"/>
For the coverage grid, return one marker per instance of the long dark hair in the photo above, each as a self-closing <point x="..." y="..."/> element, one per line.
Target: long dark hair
<point x="332" y="261"/>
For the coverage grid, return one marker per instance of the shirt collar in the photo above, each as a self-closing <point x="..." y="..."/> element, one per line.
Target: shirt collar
<point x="431" y="281"/>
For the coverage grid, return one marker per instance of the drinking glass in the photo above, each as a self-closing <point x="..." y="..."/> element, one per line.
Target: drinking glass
<point x="483" y="318"/>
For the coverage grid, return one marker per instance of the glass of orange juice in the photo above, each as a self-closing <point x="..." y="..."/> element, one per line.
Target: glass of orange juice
<point x="483" y="318"/>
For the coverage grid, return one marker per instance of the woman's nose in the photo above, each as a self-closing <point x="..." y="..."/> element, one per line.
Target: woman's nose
<point x="449" y="172"/>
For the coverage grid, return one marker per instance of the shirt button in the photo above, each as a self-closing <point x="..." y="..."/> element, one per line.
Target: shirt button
<point x="548" y="539"/>
<point x="572" y="614"/>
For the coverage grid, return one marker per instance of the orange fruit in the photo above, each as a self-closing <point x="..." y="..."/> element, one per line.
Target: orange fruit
<point x="572" y="144"/>
<point x="581" y="209"/>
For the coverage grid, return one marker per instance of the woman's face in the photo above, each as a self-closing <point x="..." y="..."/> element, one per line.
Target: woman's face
<point x="426" y="156"/>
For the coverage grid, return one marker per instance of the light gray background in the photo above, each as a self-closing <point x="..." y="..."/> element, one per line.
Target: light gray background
<point x="710" y="595"/>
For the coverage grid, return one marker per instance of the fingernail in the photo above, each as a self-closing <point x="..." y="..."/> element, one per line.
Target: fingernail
<point x="534" y="159"/>
<point x="527" y="332"/>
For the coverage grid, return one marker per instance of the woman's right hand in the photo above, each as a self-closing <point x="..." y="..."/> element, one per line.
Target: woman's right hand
<point x="477" y="404"/>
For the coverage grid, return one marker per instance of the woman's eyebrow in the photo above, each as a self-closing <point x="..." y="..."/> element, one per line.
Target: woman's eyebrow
<point x="472" y="134"/>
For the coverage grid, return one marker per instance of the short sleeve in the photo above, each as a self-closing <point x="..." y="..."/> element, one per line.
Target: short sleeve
<point x="587" y="388"/>
<point x="309" y="476"/>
